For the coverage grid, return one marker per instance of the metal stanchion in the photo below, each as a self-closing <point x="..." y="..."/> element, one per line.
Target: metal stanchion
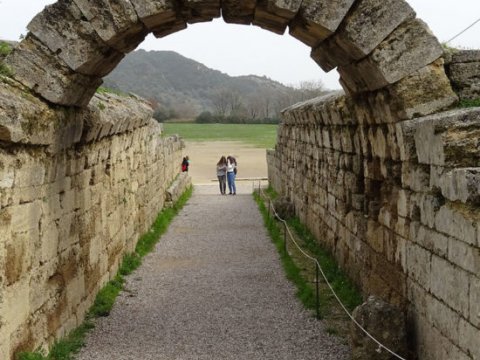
<point x="285" y="237"/>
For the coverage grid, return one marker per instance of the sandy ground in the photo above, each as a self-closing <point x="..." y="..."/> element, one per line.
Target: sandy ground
<point x="252" y="161"/>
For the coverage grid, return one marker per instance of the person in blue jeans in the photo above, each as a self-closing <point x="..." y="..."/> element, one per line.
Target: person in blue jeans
<point x="231" y="173"/>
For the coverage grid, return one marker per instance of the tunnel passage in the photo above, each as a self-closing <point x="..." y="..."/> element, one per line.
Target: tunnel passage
<point x="374" y="44"/>
<point x="391" y="67"/>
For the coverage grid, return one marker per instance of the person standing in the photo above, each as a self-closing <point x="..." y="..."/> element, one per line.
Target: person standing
<point x="231" y="169"/>
<point x="185" y="164"/>
<point x="222" y="174"/>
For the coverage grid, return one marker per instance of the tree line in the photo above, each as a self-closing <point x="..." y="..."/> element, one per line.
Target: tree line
<point x="228" y="105"/>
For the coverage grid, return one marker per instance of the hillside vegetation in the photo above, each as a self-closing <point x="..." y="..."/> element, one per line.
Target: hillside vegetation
<point x="180" y="87"/>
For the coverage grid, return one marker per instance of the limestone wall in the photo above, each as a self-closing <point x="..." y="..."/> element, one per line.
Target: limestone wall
<point x="463" y="68"/>
<point x="77" y="189"/>
<point x="397" y="203"/>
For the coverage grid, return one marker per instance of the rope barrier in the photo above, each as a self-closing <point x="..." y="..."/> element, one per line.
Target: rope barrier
<point x="461" y="32"/>
<point x="317" y="264"/>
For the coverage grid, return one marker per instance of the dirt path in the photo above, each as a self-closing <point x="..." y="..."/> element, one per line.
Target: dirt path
<point x="252" y="161"/>
<point x="212" y="289"/>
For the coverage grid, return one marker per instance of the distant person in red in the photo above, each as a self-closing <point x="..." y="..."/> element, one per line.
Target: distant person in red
<point x="185" y="164"/>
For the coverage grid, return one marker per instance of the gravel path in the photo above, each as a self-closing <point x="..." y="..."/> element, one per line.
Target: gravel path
<point x="213" y="289"/>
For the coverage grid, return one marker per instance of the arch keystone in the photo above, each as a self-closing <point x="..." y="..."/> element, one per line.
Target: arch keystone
<point x="194" y="11"/>
<point x="65" y="31"/>
<point x="238" y="12"/>
<point x="317" y="20"/>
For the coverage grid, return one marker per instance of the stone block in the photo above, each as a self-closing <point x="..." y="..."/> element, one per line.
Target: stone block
<point x="404" y="133"/>
<point x="16" y="300"/>
<point x="364" y="28"/>
<point x="462" y="56"/>
<point x="419" y="265"/>
<point x="155" y="13"/>
<point x="375" y="236"/>
<point x="274" y="15"/>
<point x="129" y="113"/>
<point x="415" y="177"/>
<point x="448" y="139"/>
<point x="317" y="20"/>
<point x="424" y="92"/>
<point x="463" y="69"/>
<point x="429" y="239"/>
<point x="390" y="62"/>
<point x="48" y="241"/>
<point x="169" y="28"/>
<point x="18" y="257"/>
<point x="458" y="221"/>
<point x="39" y="69"/>
<point x="29" y="173"/>
<point x="474" y="301"/>
<point x="460" y="184"/>
<point x="115" y="22"/>
<point x="378" y="143"/>
<point x="385" y="323"/>
<point x="443" y="318"/>
<point x="26" y="216"/>
<point x="24" y="118"/>
<point x="432" y="345"/>
<point x="465" y="256"/>
<point x="61" y="27"/>
<point x="195" y="11"/>
<point x="450" y="284"/>
<point x="238" y="12"/>
<point x="328" y="55"/>
<point x="469" y="336"/>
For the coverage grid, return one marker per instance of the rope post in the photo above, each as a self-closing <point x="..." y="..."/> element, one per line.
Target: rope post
<point x="269" y="207"/>
<point x="285" y="249"/>
<point x="317" y="293"/>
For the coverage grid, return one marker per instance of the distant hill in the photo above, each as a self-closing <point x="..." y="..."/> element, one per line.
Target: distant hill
<point x="174" y="83"/>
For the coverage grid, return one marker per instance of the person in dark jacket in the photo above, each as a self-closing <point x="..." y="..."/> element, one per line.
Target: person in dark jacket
<point x="185" y="164"/>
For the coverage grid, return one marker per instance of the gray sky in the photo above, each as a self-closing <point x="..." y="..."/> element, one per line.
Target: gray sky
<point x="244" y="50"/>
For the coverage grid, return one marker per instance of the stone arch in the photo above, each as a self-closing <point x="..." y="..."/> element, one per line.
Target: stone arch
<point x="375" y="44"/>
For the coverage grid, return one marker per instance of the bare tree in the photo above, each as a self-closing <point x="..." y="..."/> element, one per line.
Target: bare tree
<point x="220" y="101"/>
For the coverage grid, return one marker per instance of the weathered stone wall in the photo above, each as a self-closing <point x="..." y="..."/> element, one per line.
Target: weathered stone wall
<point x="463" y="69"/>
<point x="77" y="189"/>
<point x="397" y="203"/>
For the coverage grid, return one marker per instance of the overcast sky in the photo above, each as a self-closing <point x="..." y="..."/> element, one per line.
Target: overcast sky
<point x="244" y="50"/>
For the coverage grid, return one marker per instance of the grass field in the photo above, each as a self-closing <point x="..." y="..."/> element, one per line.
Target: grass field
<point x="263" y="136"/>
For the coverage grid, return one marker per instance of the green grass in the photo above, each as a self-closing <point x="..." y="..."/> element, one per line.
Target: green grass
<point x="305" y="291"/>
<point x="106" y="90"/>
<point x="263" y="136"/>
<point x="67" y="347"/>
<point x="469" y="103"/>
<point x="343" y="286"/>
<point x="5" y="70"/>
<point x="298" y="268"/>
<point x="5" y="49"/>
